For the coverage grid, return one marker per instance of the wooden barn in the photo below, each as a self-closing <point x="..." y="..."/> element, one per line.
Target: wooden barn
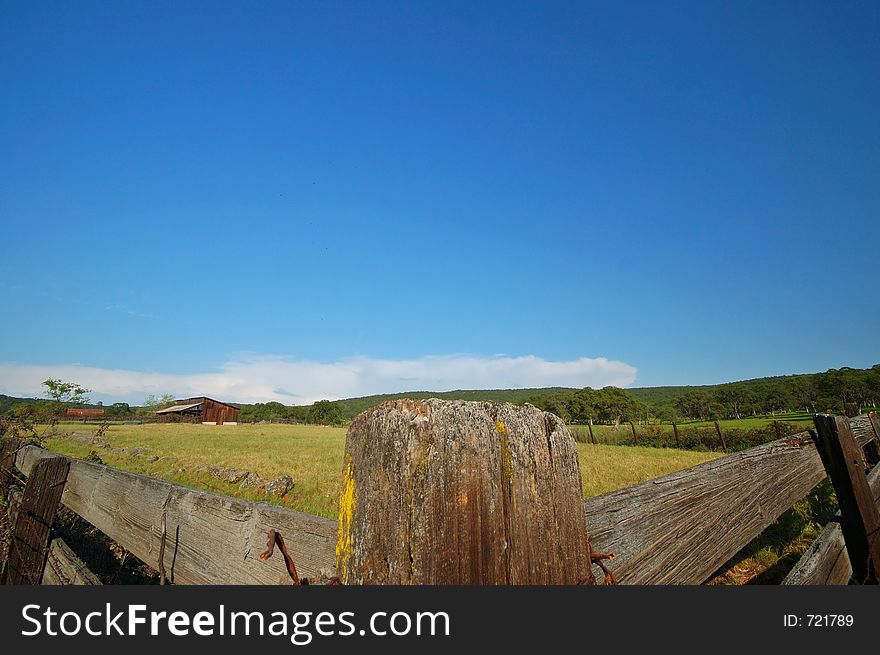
<point x="204" y="409"/>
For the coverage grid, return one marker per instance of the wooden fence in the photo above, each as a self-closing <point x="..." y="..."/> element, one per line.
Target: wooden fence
<point x="676" y="529"/>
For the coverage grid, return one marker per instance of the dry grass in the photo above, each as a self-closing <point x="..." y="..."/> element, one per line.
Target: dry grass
<point x="606" y="468"/>
<point x="312" y="455"/>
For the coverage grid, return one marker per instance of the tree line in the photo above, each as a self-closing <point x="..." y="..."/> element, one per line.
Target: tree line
<point x="827" y="392"/>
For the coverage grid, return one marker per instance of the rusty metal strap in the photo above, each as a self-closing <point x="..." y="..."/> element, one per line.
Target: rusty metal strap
<point x="276" y="538"/>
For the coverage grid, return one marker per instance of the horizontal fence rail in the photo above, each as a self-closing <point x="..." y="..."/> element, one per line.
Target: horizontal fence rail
<point x="676" y="529"/>
<point x="210" y="539"/>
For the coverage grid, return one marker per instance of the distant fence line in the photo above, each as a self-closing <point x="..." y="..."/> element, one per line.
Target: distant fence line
<point x="685" y="437"/>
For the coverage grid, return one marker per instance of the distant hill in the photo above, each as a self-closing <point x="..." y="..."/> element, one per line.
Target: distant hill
<point x="828" y="389"/>
<point x="351" y="407"/>
<point x="657" y="396"/>
<point x="6" y="402"/>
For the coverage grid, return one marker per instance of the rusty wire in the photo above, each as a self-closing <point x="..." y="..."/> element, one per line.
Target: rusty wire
<point x="596" y="558"/>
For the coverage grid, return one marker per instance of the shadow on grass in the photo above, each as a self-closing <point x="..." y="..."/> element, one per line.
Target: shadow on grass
<point x="103" y="556"/>
<point x="769" y="557"/>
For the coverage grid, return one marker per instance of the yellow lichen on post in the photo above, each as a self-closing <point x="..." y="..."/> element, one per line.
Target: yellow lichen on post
<point x="506" y="457"/>
<point x="346" y="510"/>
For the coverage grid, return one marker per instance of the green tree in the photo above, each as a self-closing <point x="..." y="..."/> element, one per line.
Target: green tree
<point x="716" y="411"/>
<point x="66" y="392"/>
<point x="736" y="398"/>
<point x="614" y="405"/>
<point x="694" y="404"/>
<point x="118" y="409"/>
<point x="324" y="412"/>
<point x="154" y="403"/>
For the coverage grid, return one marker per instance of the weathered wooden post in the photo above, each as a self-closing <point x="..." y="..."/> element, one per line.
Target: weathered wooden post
<point x="455" y="492"/>
<point x="30" y="533"/>
<point x="8" y="448"/>
<point x="872" y="448"/>
<point x="635" y="436"/>
<point x="675" y="430"/>
<point x="720" y="435"/>
<point x="844" y="462"/>
<point x="592" y="438"/>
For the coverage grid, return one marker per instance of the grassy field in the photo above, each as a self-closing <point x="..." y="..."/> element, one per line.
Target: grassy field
<point x="312" y="456"/>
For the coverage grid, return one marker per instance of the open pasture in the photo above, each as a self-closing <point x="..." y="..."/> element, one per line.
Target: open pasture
<point x="311" y="455"/>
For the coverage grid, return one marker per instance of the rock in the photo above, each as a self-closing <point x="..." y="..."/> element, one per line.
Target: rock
<point x="252" y="481"/>
<point x="228" y="474"/>
<point x="280" y="485"/>
<point x="153" y="458"/>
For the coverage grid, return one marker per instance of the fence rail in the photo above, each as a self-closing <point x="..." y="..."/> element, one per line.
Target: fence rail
<point x="676" y="529"/>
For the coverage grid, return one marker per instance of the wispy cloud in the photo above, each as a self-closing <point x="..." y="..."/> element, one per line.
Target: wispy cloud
<point x="125" y="309"/>
<point x="297" y="381"/>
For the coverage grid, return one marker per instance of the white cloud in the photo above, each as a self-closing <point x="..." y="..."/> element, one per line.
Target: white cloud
<point x="294" y="381"/>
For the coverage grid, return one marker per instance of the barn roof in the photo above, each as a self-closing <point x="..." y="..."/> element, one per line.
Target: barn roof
<point x="178" y="408"/>
<point x="203" y="398"/>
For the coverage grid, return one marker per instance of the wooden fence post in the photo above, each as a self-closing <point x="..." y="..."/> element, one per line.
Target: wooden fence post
<point x="456" y="492"/>
<point x="844" y="462"/>
<point x="592" y="438"/>
<point x="8" y="448"/>
<point x="30" y="533"/>
<point x="675" y="430"/>
<point x="635" y="436"/>
<point x="872" y="448"/>
<point x="720" y="435"/>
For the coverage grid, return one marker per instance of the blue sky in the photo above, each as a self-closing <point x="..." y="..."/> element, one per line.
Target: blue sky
<point x="303" y="200"/>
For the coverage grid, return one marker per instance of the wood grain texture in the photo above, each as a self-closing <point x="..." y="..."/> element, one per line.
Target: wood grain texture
<point x="458" y="492"/>
<point x="845" y="462"/>
<point x="63" y="567"/>
<point x="30" y="532"/>
<point x="212" y="539"/>
<point x="872" y="450"/>
<point x="682" y="527"/>
<point x="826" y="561"/>
<point x="13" y="496"/>
<point x="8" y="447"/>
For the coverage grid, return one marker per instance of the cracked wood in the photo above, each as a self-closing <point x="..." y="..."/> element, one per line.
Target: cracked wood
<point x="458" y="492"/>
<point x="212" y="539"/>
